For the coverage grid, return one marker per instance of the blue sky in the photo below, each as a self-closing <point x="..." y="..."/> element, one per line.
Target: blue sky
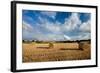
<point x="55" y="26"/>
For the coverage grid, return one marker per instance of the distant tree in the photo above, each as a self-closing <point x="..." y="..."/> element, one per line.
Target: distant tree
<point x="32" y="40"/>
<point x="23" y="41"/>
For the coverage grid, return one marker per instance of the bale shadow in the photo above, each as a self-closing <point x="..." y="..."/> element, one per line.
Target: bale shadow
<point x="70" y="49"/>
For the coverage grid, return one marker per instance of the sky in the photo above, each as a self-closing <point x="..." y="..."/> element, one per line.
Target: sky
<point x="55" y="25"/>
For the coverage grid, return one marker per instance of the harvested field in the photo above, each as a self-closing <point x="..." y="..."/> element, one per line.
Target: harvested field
<point x="43" y="52"/>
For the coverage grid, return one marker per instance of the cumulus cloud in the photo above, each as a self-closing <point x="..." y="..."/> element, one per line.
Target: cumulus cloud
<point x="49" y="26"/>
<point x="27" y="29"/>
<point x="47" y="30"/>
<point x="30" y="32"/>
<point x="72" y="22"/>
<point x="26" y="26"/>
<point x="53" y="28"/>
<point x="86" y="26"/>
<point x="49" y="14"/>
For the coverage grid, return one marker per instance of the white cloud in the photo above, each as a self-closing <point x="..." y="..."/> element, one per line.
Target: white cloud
<point x="57" y="30"/>
<point x="30" y="32"/>
<point x="87" y="36"/>
<point x="53" y="28"/>
<point x="42" y="20"/>
<point x="82" y="36"/>
<point x="27" y="31"/>
<point x="49" y="14"/>
<point x="86" y="26"/>
<point x="36" y="33"/>
<point x="67" y="37"/>
<point x="72" y="22"/>
<point x="27" y="26"/>
<point x="49" y="26"/>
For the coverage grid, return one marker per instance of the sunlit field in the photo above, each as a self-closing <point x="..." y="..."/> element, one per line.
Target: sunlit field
<point x="55" y="36"/>
<point x="55" y="51"/>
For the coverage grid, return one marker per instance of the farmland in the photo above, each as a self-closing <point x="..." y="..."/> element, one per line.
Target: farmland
<point x="55" y="51"/>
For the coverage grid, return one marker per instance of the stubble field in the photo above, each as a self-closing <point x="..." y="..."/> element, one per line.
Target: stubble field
<point x="44" y="52"/>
